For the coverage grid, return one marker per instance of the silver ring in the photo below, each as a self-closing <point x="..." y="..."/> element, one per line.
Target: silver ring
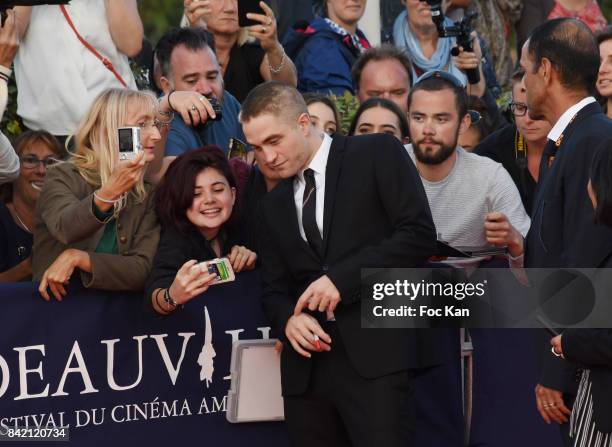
<point x="545" y="405"/>
<point x="194" y="108"/>
<point x="269" y="21"/>
<point x="264" y="29"/>
<point x="202" y="98"/>
<point x="552" y="349"/>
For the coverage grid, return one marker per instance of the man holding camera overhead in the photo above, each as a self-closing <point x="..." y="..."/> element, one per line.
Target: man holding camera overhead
<point x="188" y="63"/>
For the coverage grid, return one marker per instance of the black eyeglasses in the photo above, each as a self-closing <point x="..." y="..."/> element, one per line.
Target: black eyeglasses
<point x="518" y="108"/>
<point x="32" y="161"/>
<point x="442" y="75"/>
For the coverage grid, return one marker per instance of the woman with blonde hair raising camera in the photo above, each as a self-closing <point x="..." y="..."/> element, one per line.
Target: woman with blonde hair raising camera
<point x="95" y="216"/>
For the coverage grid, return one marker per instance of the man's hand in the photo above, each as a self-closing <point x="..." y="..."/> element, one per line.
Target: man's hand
<point x="550" y="405"/>
<point x="320" y="295"/>
<point x="194" y="108"/>
<point x="557" y="346"/>
<point x="301" y="330"/>
<point x="501" y="233"/>
<point x="241" y="258"/>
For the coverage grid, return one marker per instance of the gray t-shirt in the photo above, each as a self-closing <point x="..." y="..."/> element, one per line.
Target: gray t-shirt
<point x="475" y="187"/>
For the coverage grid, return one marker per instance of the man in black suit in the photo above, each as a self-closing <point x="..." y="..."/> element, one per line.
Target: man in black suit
<point x="561" y="60"/>
<point x="346" y="204"/>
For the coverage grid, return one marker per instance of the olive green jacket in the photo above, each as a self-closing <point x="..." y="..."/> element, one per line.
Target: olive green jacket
<point x="65" y="219"/>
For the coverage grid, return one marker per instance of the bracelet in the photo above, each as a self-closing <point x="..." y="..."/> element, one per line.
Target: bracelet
<point x="161" y="112"/>
<point x="95" y="194"/>
<point x="157" y="292"/>
<point x="168" y="299"/>
<point x="277" y="70"/>
<point x="169" y="103"/>
<point x="6" y="71"/>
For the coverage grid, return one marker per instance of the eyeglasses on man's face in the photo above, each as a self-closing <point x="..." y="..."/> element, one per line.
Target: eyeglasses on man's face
<point x="518" y="108"/>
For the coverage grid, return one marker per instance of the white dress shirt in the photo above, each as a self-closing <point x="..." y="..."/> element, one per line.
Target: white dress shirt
<point x="566" y="118"/>
<point x="319" y="166"/>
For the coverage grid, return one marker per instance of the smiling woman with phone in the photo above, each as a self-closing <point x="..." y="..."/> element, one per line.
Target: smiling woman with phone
<point x="198" y="225"/>
<point x="95" y="217"/>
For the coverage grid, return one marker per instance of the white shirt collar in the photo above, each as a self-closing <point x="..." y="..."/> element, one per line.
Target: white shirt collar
<point x="319" y="162"/>
<point x="565" y="119"/>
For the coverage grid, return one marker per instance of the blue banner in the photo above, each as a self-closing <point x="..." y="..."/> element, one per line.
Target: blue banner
<point x="114" y="373"/>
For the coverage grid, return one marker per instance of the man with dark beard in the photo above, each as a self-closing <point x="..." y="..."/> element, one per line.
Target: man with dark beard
<point x="473" y="199"/>
<point x="474" y="202"/>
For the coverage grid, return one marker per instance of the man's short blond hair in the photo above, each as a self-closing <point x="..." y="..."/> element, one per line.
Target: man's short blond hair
<point x="273" y="98"/>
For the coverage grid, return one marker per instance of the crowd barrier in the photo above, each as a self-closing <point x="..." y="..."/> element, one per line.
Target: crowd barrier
<point x="116" y="374"/>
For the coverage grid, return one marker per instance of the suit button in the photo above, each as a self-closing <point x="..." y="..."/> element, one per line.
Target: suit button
<point x="119" y="226"/>
<point x="123" y="239"/>
<point x="325" y="267"/>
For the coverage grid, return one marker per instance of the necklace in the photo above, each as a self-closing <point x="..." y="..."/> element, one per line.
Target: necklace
<point x="25" y="227"/>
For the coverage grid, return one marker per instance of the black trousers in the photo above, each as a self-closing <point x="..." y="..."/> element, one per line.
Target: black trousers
<point x="341" y="408"/>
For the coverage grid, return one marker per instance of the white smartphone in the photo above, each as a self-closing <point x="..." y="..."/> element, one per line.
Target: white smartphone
<point x="129" y="142"/>
<point x="221" y="267"/>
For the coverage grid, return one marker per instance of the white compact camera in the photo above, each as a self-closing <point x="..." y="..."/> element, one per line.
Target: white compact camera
<point x="129" y="142"/>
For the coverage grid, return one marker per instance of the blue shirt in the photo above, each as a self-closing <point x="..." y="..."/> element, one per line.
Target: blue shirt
<point x="182" y="137"/>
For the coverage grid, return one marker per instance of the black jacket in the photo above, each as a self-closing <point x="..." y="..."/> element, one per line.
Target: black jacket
<point x="376" y="214"/>
<point x="563" y="232"/>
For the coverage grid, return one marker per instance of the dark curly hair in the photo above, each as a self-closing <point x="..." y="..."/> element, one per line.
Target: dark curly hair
<point x="175" y="192"/>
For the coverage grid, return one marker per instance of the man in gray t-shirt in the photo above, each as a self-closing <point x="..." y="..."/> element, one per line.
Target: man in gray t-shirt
<point x="473" y="199"/>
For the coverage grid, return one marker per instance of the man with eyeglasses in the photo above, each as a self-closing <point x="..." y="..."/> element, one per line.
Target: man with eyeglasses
<point x="519" y="146"/>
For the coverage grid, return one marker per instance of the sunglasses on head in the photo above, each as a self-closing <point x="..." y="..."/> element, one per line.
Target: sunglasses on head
<point x="442" y="75"/>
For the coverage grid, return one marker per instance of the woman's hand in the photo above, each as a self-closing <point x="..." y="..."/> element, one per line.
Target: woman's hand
<point x="57" y="276"/>
<point x="124" y="177"/>
<point x="190" y="281"/>
<point x="194" y="108"/>
<point x="265" y="32"/>
<point x="9" y="40"/>
<point x="241" y="258"/>
<point x="197" y="12"/>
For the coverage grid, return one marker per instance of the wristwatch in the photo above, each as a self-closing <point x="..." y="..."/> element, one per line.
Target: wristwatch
<point x="168" y="299"/>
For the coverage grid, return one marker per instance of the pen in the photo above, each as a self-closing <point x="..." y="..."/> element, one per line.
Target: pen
<point x="317" y="343"/>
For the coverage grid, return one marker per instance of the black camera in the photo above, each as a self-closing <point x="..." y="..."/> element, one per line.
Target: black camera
<point x="9" y="4"/>
<point x="461" y="30"/>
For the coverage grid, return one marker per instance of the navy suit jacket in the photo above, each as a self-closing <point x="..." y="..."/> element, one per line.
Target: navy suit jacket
<point x="376" y="214"/>
<point x="563" y="232"/>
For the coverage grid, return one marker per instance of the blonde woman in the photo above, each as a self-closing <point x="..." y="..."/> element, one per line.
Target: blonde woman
<point x="95" y="217"/>
<point x="244" y="63"/>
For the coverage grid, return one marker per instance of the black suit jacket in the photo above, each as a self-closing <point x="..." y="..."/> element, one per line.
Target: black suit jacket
<point x="376" y="214"/>
<point x="563" y="232"/>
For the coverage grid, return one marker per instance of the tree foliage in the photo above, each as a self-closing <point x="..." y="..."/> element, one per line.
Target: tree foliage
<point x="159" y="15"/>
